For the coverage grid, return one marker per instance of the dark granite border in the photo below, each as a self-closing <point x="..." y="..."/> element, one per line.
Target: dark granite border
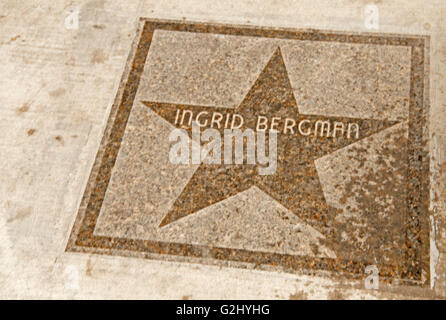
<point x="415" y="268"/>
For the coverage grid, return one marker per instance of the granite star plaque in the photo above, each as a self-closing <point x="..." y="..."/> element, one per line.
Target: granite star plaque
<point x="350" y="182"/>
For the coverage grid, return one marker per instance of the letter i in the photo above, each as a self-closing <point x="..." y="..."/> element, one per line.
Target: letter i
<point x="177" y="116"/>
<point x="227" y="120"/>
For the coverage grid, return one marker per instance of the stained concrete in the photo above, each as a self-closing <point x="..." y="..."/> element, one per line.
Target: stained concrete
<point x="59" y="85"/>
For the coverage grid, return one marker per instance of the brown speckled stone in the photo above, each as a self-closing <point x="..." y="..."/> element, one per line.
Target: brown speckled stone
<point x="334" y="205"/>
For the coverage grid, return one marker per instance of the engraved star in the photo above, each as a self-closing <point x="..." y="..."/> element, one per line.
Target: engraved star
<point x="295" y="183"/>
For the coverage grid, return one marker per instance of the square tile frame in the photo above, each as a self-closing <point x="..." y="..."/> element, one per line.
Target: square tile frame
<point x="414" y="270"/>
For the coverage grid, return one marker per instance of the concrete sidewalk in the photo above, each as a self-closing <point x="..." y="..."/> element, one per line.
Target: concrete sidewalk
<point x="66" y="67"/>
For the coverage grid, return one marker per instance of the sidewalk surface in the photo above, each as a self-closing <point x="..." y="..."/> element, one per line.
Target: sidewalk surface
<point x="92" y="205"/>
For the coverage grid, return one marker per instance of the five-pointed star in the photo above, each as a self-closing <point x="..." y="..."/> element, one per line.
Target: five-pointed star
<point x="295" y="183"/>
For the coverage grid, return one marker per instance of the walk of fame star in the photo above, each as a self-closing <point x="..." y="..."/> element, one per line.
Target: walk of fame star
<point x="296" y="183"/>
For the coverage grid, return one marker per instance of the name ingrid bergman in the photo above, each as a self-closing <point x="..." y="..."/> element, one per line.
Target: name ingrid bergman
<point x="304" y="126"/>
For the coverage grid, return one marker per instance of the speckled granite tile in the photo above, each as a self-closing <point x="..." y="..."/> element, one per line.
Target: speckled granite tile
<point x="329" y="202"/>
